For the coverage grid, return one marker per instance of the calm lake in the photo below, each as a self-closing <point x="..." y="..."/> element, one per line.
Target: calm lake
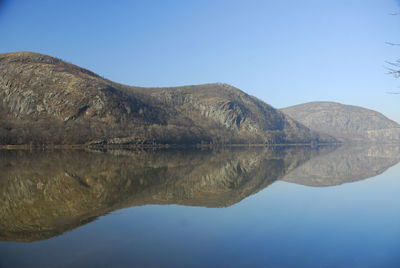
<point x="241" y="207"/>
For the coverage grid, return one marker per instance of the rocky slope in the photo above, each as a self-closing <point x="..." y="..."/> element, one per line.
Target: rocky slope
<point x="44" y="100"/>
<point x="345" y="122"/>
<point x="43" y="194"/>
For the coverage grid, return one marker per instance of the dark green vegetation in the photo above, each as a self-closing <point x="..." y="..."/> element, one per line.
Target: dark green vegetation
<point x="43" y="194"/>
<point x="346" y="123"/>
<point x="44" y="100"/>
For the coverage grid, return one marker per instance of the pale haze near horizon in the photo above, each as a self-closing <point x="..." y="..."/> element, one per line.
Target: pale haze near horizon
<point x="283" y="52"/>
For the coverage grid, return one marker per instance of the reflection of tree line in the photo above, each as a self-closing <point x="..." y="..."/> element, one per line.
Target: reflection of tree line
<point x="43" y="194"/>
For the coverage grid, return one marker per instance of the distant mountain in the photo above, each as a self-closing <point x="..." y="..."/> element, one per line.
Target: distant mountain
<point x="345" y="122"/>
<point x="44" y="100"/>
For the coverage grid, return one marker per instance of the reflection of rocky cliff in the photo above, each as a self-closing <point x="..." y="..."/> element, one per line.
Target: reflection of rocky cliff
<point x="44" y="194"/>
<point x="346" y="164"/>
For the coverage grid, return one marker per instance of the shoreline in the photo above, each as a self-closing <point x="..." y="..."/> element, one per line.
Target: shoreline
<point x="152" y="146"/>
<point x="45" y="147"/>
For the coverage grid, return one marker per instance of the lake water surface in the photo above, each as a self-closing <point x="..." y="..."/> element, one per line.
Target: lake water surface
<point x="243" y="207"/>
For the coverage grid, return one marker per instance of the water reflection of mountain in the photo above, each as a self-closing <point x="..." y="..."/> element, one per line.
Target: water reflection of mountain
<point x="43" y="194"/>
<point x="345" y="164"/>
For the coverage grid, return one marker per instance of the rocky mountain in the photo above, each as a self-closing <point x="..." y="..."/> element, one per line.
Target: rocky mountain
<point x="345" y="122"/>
<point x="43" y="194"/>
<point x="44" y="100"/>
<point x="345" y="164"/>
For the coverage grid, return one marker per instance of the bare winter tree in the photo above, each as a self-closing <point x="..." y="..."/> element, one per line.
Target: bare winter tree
<point x="393" y="67"/>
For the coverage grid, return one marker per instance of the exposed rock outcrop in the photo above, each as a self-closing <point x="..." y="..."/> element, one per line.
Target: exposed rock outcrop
<point x="44" y="100"/>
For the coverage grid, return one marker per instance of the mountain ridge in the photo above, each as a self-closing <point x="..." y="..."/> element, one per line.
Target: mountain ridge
<point x="48" y="101"/>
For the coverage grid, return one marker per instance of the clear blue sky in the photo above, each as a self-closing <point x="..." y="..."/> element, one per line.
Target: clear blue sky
<point x="283" y="52"/>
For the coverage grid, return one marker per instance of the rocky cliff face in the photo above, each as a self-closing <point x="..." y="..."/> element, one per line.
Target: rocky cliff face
<point x="45" y="100"/>
<point x="44" y="194"/>
<point x="345" y="122"/>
